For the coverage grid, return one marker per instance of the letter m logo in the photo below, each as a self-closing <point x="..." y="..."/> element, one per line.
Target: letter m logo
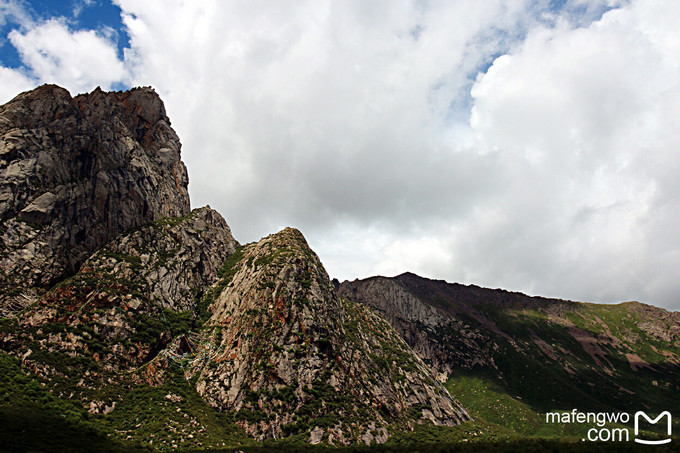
<point x="639" y="414"/>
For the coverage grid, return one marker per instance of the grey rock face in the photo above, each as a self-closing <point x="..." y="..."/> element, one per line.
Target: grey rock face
<point x="126" y="291"/>
<point x="172" y="260"/>
<point x="290" y="357"/>
<point x="436" y="336"/>
<point x="75" y="173"/>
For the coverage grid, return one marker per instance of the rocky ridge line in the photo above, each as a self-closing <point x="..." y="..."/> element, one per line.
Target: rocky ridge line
<point x="595" y="355"/>
<point x="440" y="339"/>
<point x="75" y="173"/>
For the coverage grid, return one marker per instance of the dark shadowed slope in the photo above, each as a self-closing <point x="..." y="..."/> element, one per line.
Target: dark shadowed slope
<point x="540" y="354"/>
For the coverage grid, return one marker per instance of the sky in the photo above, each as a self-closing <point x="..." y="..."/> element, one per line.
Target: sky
<point x="529" y="145"/>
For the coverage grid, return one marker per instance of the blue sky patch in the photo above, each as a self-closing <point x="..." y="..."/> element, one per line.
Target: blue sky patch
<point x="99" y="15"/>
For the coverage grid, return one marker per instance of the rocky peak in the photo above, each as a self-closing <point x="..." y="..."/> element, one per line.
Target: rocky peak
<point x="39" y="107"/>
<point x="75" y="173"/>
<point x="284" y="264"/>
<point x="292" y="358"/>
<point x="140" y="109"/>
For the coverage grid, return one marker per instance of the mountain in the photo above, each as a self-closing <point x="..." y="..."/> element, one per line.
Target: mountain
<point x="284" y="351"/>
<point x="131" y="321"/>
<point x="75" y="173"/>
<point x="525" y="356"/>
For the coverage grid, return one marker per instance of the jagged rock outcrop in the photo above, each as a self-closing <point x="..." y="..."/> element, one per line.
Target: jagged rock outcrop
<point x="74" y="174"/>
<point x="290" y="357"/>
<point x="173" y="260"/>
<point x="132" y="297"/>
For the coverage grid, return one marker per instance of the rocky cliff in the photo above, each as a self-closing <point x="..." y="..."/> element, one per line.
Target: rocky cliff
<point x="75" y="173"/>
<point x="142" y="322"/>
<point x="442" y="340"/>
<point x="290" y="357"/>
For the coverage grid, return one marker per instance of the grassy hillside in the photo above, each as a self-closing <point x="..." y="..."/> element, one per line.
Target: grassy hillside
<point x="38" y="415"/>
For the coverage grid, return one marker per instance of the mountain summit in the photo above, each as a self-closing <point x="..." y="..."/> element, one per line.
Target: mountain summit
<point x="129" y="321"/>
<point x="74" y="174"/>
<point x="289" y="355"/>
<point x="144" y="322"/>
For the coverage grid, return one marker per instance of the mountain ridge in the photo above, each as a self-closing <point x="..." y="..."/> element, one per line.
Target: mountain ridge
<point x="257" y="333"/>
<point x="136" y="322"/>
<point x="591" y="349"/>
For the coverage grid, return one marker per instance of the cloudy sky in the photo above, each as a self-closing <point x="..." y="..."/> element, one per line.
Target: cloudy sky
<point x="524" y="144"/>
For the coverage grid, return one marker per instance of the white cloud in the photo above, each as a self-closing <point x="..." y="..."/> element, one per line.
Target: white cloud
<point x="429" y="255"/>
<point x="13" y="82"/>
<point x="80" y="5"/>
<point x="349" y="120"/>
<point x="366" y="125"/>
<point x="588" y="111"/>
<point x="77" y="60"/>
<point x="323" y="110"/>
<point x="13" y="11"/>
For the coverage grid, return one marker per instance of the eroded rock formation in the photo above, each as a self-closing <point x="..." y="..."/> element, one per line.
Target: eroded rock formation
<point x="74" y="174"/>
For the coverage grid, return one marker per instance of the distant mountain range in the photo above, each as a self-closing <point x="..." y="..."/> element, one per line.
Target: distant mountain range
<point x="131" y="322"/>
<point x="535" y="355"/>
